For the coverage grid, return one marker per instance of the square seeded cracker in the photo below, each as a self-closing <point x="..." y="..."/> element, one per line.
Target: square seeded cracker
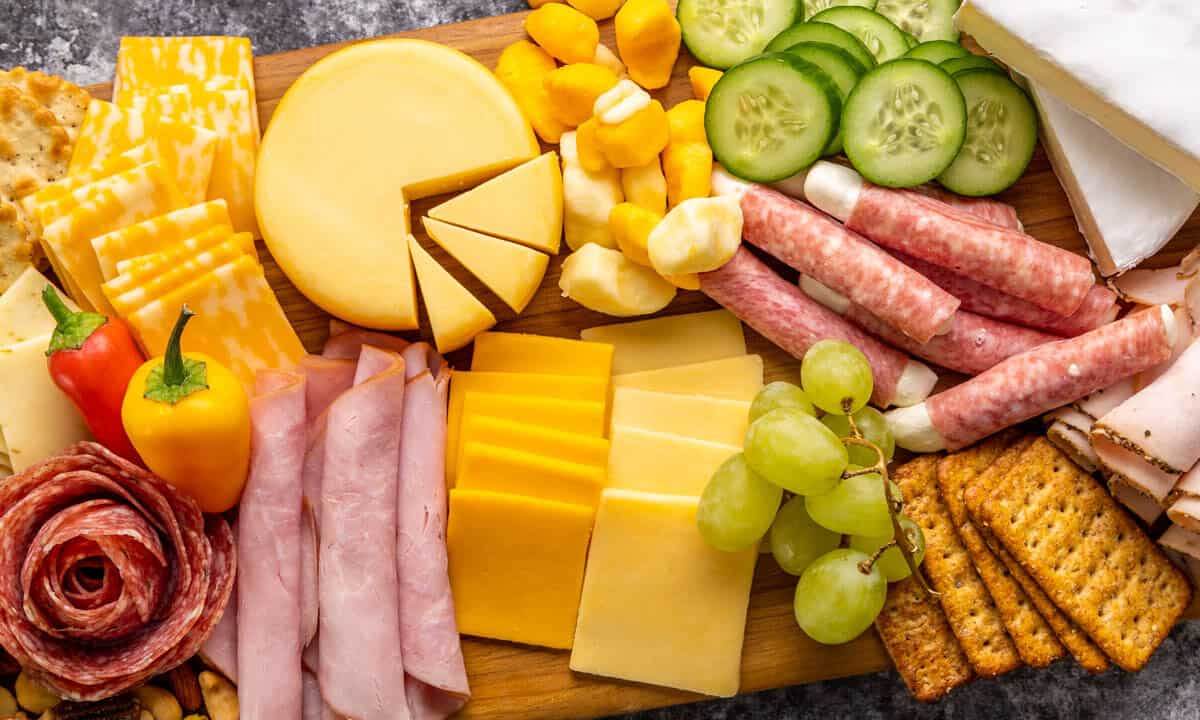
<point x="920" y="642"/>
<point x="1034" y="639"/>
<point x="973" y="616"/>
<point x="1092" y="560"/>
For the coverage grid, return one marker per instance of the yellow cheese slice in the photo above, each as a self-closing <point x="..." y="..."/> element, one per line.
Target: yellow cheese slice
<point x="455" y="315"/>
<point x="520" y="352"/>
<point x="36" y="417"/>
<point x="60" y="197"/>
<point x="187" y="150"/>
<point x="159" y="62"/>
<point x="735" y="378"/>
<point x="663" y="462"/>
<point x="581" y="417"/>
<point x="156" y="234"/>
<point x="659" y="604"/>
<point x="512" y="271"/>
<point x="114" y="202"/>
<point x="516" y="566"/>
<point x="160" y="280"/>
<point x="137" y="270"/>
<point x="238" y="321"/>
<point x="356" y="137"/>
<point x="670" y="341"/>
<point x="499" y="469"/>
<point x="524" y="205"/>
<point x="525" y="437"/>
<point x="695" y="416"/>
<point x="23" y="315"/>
<point x="559" y="387"/>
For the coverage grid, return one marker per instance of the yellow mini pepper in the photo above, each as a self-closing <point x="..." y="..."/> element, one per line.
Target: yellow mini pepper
<point x="637" y="140"/>
<point x="189" y="418"/>
<point x="564" y="32"/>
<point x="573" y="89"/>
<point x="522" y="68"/>
<point x="596" y="9"/>
<point x="648" y="39"/>
<point x="630" y="226"/>
<point x="702" y="80"/>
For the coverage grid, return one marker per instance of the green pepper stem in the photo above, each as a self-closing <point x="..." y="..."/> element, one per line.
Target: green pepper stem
<point x="173" y="371"/>
<point x="56" y="306"/>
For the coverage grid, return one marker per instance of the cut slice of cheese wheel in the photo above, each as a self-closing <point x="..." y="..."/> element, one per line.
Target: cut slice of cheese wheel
<point x="524" y="204"/>
<point x="356" y="137"/>
<point x="512" y="271"/>
<point x="455" y="314"/>
<point x="156" y="234"/>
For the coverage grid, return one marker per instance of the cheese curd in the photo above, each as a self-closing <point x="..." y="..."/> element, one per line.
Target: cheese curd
<point x="698" y="235"/>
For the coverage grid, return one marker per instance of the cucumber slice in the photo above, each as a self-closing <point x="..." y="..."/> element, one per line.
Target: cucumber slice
<point x="723" y="33"/>
<point x="822" y="33"/>
<point x="840" y="66"/>
<point x="882" y="38"/>
<point x="926" y="19"/>
<point x="938" y="51"/>
<point x="771" y="117"/>
<point x="910" y="40"/>
<point x="1002" y="132"/>
<point x="970" y="62"/>
<point x="904" y="123"/>
<point x="812" y="7"/>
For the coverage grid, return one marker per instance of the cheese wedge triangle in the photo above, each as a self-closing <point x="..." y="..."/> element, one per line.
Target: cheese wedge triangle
<point x="455" y="314"/>
<point x="512" y="271"/>
<point x="524" y="204"/>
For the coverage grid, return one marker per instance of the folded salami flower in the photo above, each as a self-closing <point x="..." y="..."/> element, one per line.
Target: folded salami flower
<point x="108" y="575"/>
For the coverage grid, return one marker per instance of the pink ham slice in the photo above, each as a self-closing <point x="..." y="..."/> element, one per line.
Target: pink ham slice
<point x="1075" y="443"/>
<point x="361" y="663"/>
<point x="345" y="341"/>
<point x="219" y="651"/>
<point x="1185" y="511"/>
<point x="325" y="379"/>
<point x="1145" y="507"/>
<point x="269" y="526"/>
<point x="1162" y="286"/>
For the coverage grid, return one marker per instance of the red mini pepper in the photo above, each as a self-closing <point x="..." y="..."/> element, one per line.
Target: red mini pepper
<point x="91" y="359"/>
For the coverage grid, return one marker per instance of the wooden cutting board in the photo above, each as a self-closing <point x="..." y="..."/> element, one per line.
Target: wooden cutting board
<point x="511" y="682"/>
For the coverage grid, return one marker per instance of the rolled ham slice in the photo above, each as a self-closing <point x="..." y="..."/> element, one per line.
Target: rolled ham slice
<point x="219" y="651"/>
<point x="783" y="314"/>
<point x="972" y="345"/>
<point x="1136" y="502"/>
<point x="1182" y="540"/>
<point x="1035" y="382"/>
<point x="1001" y="258"/>
<point x="1075" y="443"/>
<point x="1185" y="510"/>
<point x="345" y="341"/>
<point x="325" y="379"/>
<point x="1161" y="286"/>
<point x="810" y="242"/>
<point x="1149" y="441"/>
<point x="361" y="663"/>
<point x="269" y="632"/>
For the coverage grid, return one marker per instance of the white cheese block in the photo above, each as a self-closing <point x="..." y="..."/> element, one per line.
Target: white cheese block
<point x="1129" y="64"/>
<point x="1127" y="207"/>
<point x="37" y="420"/>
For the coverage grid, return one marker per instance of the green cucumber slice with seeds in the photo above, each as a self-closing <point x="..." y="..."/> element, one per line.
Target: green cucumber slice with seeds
<point x="723" y="33"/>
<point x="822" y="33"/>
<point x="925" y="19"/>
<point x="911" y="40"/>
<point x="840" y="66"/>
<point x="970" y="62"/>
<point x="882" y="38"/>
<point x="771" y="117"/>
<point x="1002" y="132"/>
<point x="938" y="51"/>
<point x="812" y="7"/>
<point x="904" y="123"/>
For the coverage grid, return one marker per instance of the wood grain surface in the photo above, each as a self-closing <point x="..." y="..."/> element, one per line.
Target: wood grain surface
<point x="513" y="682"/>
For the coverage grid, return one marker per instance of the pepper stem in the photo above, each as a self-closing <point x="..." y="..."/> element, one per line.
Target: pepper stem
<point x="173" y="370"/>
<point x="56" y="306"/>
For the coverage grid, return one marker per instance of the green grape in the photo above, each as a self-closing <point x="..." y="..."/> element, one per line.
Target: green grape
<point x="795" y="451"/>
<point x="796" y="540"/>
<point x="874" y="428"/>
<point x="835" y="600"/>
<point x="891" y="562"/>
<point x="835" y="372"/>
<point x="778" y="395"/>
<point x="856" y="506"/>
<point x="737" y="506"/>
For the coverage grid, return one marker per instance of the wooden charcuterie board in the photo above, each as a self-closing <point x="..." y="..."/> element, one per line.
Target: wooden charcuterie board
<point x="513" y="682"/>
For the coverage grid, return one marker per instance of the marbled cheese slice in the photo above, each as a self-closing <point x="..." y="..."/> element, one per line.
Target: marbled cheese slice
<point x="167" y="278"/>
<point x="60" y="197"/>
<point x="156" y="234"/>
<point x="159" y="62"/>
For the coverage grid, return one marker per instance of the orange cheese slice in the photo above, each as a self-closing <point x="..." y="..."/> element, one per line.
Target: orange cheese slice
<point x="156" y="234"/>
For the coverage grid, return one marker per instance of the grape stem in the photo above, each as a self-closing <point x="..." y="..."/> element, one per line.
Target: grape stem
<point x="901" y="539"/>
<point x="865" y="566"/>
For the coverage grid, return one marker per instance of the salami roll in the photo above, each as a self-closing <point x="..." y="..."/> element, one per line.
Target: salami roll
<point x="108" y="575"/>
<point x="1035" y="382"/>
<point x="1001" y="258"/>
<point x="972" y="345"/>
<point x="986" y="209"/>
<point x="783" y="314"/>
<point x="810" y="242"/>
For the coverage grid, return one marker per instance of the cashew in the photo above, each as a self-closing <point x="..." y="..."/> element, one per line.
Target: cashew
<point x="161" y="704"/>
<point x="220" y="696"/>
<point x="8" y="703"/>
<point x="33" y="696"/>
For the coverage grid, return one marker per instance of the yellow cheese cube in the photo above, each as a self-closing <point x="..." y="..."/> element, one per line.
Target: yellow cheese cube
<point x="520" y="352"/>
<point x="581" y="417"/>
<point x="735" y="378"/>
<point x="663" y="462"/>
<point x="36" y="418"/>
<point x="524" y="205"/>
<point x="526" y="437"/>
<point x="159" y="280"/>
<point x="560" y="387"/>
<point x="498" y="469"/>
<point x="516" y="566"/>
<point x="659" y="604"/>
<point x="512" y="271"/>
<point x="60" y="197"/>
<point x="155" y="234"/>
<point x="670" y="341"/>
<point x="23" y="315"/>
<point x="159" y="62"/>
<point x="455" y="315"/>
<point x="695" y="416"/>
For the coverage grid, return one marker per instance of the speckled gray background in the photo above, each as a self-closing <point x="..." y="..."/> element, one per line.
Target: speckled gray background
<point x="78" y="39"/>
